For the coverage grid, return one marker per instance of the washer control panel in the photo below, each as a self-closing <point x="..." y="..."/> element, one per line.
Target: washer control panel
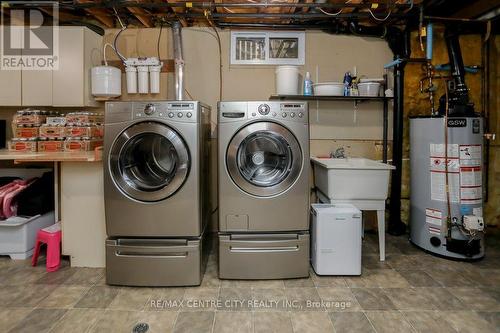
<point x="236" y="111"/>
<point x="289" y="111"/>
<point x="175" y="111"/>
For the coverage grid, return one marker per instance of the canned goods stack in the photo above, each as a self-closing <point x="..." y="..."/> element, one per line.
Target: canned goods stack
<point x="26" y="129"/>
<point x="84" y="131"/>
<point x="36" y="130"/>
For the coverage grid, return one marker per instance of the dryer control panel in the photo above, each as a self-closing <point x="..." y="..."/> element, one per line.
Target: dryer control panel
<point x="183" y="111"/>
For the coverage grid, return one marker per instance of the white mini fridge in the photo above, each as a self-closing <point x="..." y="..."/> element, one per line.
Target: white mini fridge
<point x="336" y="232"/>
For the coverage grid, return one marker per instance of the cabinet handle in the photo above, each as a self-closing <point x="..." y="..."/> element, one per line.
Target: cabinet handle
<point x="264" y="249"/>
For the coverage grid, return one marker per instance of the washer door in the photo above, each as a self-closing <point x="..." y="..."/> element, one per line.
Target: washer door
<point x="264" y="159"/>
<point x="149" y="161"/>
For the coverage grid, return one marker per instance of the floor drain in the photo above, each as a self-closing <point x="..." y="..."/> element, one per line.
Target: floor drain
<point x="140" y="328"/>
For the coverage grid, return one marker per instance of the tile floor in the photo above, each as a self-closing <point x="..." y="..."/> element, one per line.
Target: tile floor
<point x="410" y="292"/>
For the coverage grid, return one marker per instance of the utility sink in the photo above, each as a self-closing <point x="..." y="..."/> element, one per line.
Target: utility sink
<point x="351" y="178"/>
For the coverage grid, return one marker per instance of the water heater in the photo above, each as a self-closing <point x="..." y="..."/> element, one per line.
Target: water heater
<point x="440" y="175"/>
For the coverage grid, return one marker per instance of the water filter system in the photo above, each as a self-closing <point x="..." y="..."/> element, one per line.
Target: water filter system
<point x="143" y="75"/>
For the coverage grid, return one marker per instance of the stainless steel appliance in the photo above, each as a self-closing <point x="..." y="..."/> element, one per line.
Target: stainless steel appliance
<point x="263" y="171"/>
<point x="156" y="184"/>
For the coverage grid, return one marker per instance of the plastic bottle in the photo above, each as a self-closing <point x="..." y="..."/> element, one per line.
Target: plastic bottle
<point x="308" y="85"/>
<point x="347" y="83"/>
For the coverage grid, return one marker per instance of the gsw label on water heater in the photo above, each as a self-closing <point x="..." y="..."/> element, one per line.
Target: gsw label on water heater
<point x="457" y="122"/>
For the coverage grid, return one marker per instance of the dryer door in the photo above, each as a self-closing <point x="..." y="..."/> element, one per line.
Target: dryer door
<point x="149" y="161"/>
<point x="264" y="159"/>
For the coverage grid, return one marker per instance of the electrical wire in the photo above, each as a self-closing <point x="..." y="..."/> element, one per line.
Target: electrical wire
<point x="380" y="19"/>
<point x="330" y="14"/>
<point x="116" y="48"/>
<point x="119" y="19"/>
<point x="124" y="27"/>
<point x="187" y="92"/>
<point x="158" y="43"/>
<point x="220" y="51"/>
<point x="411" y="6"/>
<point x="104" y="52"/>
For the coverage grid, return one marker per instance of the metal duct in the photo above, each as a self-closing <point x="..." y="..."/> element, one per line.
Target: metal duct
<point x="179" y="60"/>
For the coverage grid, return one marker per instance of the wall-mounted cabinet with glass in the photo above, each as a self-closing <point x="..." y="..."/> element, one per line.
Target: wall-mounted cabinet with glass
<point x="267" y="48"/>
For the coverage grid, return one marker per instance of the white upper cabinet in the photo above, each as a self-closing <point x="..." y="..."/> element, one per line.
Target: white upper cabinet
<point x="10" y="80"/>
<point x="36" y="85"/>
<point x="66" y="86"/>
<point x="79" y="51"/>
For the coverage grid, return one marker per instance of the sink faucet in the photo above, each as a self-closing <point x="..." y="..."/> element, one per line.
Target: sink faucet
<point x="338" y="153"/>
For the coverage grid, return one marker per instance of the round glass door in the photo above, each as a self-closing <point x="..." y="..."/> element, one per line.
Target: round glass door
<point x="264" y="159"/>
<point x="149" y="161"/>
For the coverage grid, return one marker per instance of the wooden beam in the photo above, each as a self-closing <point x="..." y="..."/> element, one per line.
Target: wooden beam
<point x="306" y="9"/>
<point x="100" y="14"/>
<point x="476" y="8"/>
<point x="178" y="10"/>
<point x="349" y="10"/>
<point x="62" y="16"/>
<point x="142" y="16"/>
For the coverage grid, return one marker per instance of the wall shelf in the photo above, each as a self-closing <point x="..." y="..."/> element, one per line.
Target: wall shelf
<point x="356" y="99"/>
<point x="19" y="157"/>
<point x="330" y="98"/>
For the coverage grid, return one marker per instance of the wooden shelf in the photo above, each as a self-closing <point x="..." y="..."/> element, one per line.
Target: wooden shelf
<point x="329" y="98"/>
<point x="19" y="157"/>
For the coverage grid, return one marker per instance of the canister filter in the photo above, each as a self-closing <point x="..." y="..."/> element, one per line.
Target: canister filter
<point x="154" y="79"/>
<point x="131" y="79"/>
<point x="143" y="80"/>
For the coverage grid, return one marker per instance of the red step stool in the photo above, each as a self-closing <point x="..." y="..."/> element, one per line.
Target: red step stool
<point x="51" y="236"/>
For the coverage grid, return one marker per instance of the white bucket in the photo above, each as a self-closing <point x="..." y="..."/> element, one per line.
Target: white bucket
<point x="106" y="81"/>
<point x="369" y="89"/>
<point x="287" y="80"/>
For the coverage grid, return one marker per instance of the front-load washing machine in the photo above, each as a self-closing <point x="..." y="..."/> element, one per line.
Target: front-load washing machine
<point x="263" y="175"/>
<point x="155" y="185"/>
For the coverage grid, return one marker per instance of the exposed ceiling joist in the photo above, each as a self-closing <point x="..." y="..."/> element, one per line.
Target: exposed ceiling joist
<point x="142" y="16"/>
<point x="100" y="14"/>
<point x="477" y="8"/>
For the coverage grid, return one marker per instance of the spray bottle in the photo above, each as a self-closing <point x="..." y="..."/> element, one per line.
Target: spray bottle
<point x="308" y="85"/>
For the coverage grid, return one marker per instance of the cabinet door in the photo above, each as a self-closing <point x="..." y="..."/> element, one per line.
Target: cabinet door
<point x="36" y="88"/>
<point x="10" y="88"/>
<point x="68" y="80"/>
<point x="10" y="82"/>
<point x="37" y="85"/>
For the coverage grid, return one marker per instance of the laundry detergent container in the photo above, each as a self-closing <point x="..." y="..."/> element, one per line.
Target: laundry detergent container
<point x="351" y="178"/>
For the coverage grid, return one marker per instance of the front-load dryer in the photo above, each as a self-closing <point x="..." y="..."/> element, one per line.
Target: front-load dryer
<point x="156" y="160"/>
<point x="263" y="174"/>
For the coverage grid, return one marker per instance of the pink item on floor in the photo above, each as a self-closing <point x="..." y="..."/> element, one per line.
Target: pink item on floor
<point x="51" y="236"/>
<point x="4" y="190"/>
<point x="9" y="204"/>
